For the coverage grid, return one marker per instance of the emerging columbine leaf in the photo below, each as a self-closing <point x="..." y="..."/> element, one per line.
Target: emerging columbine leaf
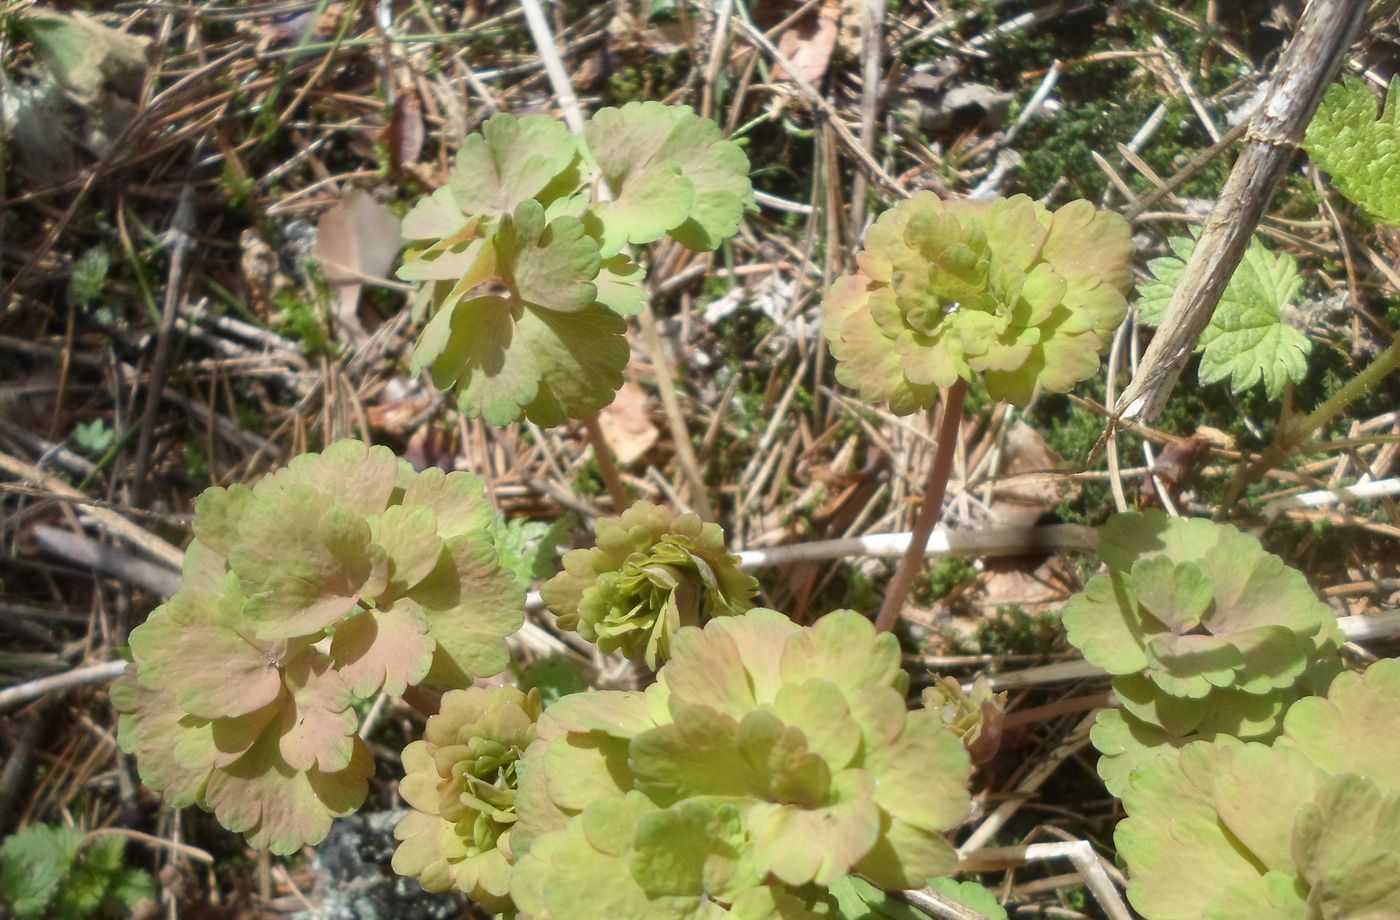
<point x="947" y="289"/>
<point x="1359" y="146"/>
<point x="521" y="269"/>
<point x="670" y="171"/>
<point x="1308" y="828"/>
<point x="1246" y="341"/>
<point x="460" y="782"/>
<point x="974" y="716"/>
<point x="1205" y="631"/>
<point x="340" y="576"/>
<point x="767" y="758"/>
<point x="651" y="572"/>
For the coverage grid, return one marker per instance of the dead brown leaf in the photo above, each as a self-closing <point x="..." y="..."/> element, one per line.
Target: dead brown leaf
<point x="627" y="425"/>
<point x="1021" y="503"/>
<point x="809" y="42"/>
<point x="357" y="240"/>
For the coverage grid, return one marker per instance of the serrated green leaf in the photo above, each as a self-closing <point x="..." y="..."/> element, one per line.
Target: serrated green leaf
<point x="528" y="548"/>
<point x="1359" y="146"/>
<point x="33" y="863"/>
<point x="1246" y="341"/>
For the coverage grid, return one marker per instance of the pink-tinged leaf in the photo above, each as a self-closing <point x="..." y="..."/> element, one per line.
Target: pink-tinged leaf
<point x="282" y="809"/>
<point x="305" y="564"/>
<point x="150" y="726"/>
<point x="386" y="649"/>
<point x="196" y="648"/>
<point x="357" y="476"/>
<point x="409" y="538"/>
<point x="472" y="603"/>
<point x="317" y="724"/>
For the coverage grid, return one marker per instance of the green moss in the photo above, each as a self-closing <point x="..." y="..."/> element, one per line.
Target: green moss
<point x="1014" y="632"/>
<point x="946" y="574"/>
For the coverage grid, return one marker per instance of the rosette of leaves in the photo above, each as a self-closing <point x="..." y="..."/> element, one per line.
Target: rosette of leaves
<point x="768" y="758"/>
<point x="337" y="577"/>
<point x="651" y="572"/>
<point x="949" y="289"/>
<point x="974" y="715"/>
<point x="459" y="781"/>
<point x="1358" y="144"/>
<point x="519" y="258"/>
<point x="1205" y="632"/>
<point x="1306" y="828"/>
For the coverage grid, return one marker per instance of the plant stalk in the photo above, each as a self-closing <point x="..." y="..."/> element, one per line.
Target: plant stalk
<point x="603" y="453"/>
<point x="1302" y="431"/>
<point x="929" y="512"/>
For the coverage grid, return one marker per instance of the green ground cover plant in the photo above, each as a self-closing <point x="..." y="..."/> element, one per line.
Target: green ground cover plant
<point x="756" y="767"/>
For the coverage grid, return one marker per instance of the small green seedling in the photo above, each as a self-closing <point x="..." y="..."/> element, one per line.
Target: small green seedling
<point x="67" y="874"/>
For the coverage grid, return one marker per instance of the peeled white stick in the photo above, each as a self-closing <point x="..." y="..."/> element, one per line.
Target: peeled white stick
<point x="993" y="541"/>
<point x="1356" y="629"/>
<point x="1079" y="852"/>
<point x="1342" y="495"/>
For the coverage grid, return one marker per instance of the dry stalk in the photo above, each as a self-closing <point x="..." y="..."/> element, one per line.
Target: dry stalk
<point x="1271" y="140"/>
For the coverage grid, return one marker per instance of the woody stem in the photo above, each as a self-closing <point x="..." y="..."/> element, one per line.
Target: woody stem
<point x="913" y="560"/>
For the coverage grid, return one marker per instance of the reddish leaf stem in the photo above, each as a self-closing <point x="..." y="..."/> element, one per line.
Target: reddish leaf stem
<point x="929" y="512"/>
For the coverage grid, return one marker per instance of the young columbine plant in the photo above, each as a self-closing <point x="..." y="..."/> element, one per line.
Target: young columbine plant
<point x="519" y="258"/>
<point x="652" y="572"/>
<point x="975" y="715"/>
<point x="766" y="758"/>
<point x="340" y="576"/>
<point x="1206" y="633"/>
<point x="949" y="289"/>
<point x="460" y="779"/>
<point x="1307" y="828"/>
